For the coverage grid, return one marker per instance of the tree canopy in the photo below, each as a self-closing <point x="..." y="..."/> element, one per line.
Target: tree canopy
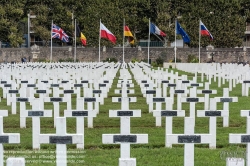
<point x="226" y="20"/>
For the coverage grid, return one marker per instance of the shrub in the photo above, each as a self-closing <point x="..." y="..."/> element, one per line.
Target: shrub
<point x="110" y="60"/>
<point x="159" y="62"/>
<point x="177" y="60"/>
<point x="133" y="60"/>
<point x="67" y="60"/>
<point x="192" y="59"/>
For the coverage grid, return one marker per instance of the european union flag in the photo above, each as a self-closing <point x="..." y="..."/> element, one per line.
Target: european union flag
<point x="180" y="31"/>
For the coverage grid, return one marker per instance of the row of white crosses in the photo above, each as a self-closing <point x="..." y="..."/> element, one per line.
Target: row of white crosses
<point x="55" y="99"/>
<point x="61" y="137"/>
<point x="125" y="138"/>
<point x="189" y="138"/>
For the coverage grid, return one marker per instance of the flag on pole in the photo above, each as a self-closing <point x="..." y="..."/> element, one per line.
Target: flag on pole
<point x="180" y="31"/>
<point x="204" y="31"/>
<point x="105" y="33"/>
<point x="58" y="33"/>
<point x="80" y="34"/>
<point x="128" y="33"/>
<point x="155" y="30"/>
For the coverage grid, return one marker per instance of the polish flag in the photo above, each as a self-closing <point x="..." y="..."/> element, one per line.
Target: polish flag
<point x="105" y="33"/>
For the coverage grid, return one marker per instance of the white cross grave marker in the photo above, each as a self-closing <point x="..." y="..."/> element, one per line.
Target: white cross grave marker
<point x="125" y="138"/>
<point x="56" y="101"/>
<point x="192" y="99"/>
<point x="189" y="139"/>
<point x="206" y="91"/>
<point x="159" y="100"/>
<point x="61" y="139"/>
<point x="212" y="113"/>
<point x="169" y="113"/>
<point x="225" y="100"/>
<point x="6" y="138"/>
<point x="243" y="138"/>
<point x="79" y="114"/>
<point x="36" y="113"/>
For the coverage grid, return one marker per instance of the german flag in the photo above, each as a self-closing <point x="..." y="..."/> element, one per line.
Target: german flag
<point x="128" y="33"/>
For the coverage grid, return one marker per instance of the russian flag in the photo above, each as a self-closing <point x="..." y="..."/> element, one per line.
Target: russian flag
<point x="204" y="31"/>
<point x="154" y="29"/>
<point x="105" y="33"/>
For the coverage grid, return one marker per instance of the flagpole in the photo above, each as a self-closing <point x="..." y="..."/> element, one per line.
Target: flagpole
<point x="100" y="41"/>
<point x="123" y="41"/>
<point x="51" y="41"/>
<point x="148" y="38"/>
<point x="75" y="43"/>
<point x="175" y="42"/>
<point x="199" y="40"/>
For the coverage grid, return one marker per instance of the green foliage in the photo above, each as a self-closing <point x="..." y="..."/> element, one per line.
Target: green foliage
<point x="68" y="60"/>
<point x="42" y="60"/>
<point x="224" y="19"/>
<point x="178" y="60"/>
<point x="159" y="61"/>
<point x="133" y="60"/>
<point x="154" y="64"/>
<point x="110" y="60"/>
<point x="192" y="59"/>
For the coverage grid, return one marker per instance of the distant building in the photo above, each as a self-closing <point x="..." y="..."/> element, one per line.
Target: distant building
<point x="246" y="41"/>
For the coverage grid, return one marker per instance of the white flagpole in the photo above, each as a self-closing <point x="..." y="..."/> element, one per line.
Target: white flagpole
<point x="175" y="42"/>
<point x="100" y="41"/>
<point x="75" y="43"/>
<point x="148" y="38"/>
<point x="51" y="41"/>
<point x="199" y="41"/>
<point x="123" y="41"/>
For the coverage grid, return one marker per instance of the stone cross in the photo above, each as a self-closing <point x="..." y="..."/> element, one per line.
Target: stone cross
<point x="171" y="89"/>
<point x="206" y="91"/>
<point x="125" y="138"/>
<point x="10" y="95"/>
<point x="6" y="138"/>
<point x="243" y="138"/>
<point x="226" y="100"/>
<point x="23" y="101"/>
<point x="180" y="92"/>
<point x="36" y="113"/>
<point x="79" y="114"/>
<point x="12" y="99"/>
<point x="56" y="101"/>
<point x="212" y="113"/>
<point x="68" y="94"/>
<point x="192" y="99"/>
<point x="169" y="113"/>
<point x="245" y="87"/>
<point x="90" y="101"/>
<point x="188" y="139"/>
<point x="164" y="87"/>
<point x="159" y="100"/>
<point x="61" y="139"/>
<point x="98" y="94"/>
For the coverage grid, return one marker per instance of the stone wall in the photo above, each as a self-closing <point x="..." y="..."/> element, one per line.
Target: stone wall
<point x="92" y="54"/>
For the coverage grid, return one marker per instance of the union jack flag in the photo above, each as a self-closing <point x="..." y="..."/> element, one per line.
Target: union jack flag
<point x="58" y="33"/>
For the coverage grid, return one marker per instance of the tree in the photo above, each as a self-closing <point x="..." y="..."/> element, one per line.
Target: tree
<point x="10" y="15"/>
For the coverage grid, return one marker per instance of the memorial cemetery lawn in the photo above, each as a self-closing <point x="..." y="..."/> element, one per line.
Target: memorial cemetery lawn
<point x="154" y="153"/>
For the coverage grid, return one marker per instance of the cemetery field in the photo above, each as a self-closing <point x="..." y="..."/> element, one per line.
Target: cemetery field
<point x="154" y="153"/>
